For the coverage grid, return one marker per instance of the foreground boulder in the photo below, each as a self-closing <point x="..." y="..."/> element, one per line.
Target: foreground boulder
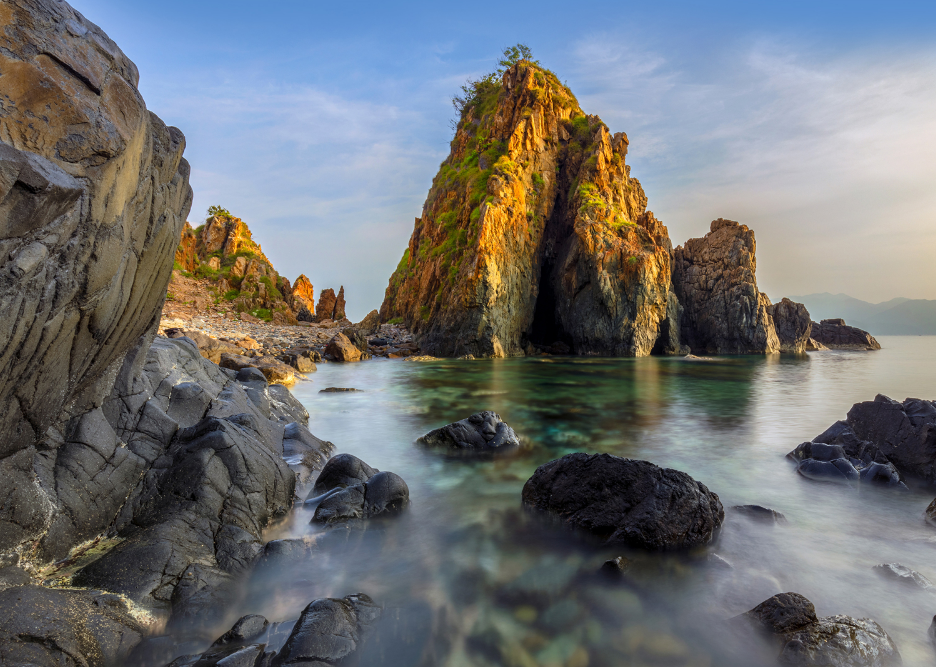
<point x="482" y="432"/>
<point x="831" y="463"/>
<point x="93" y="196"/>
<point x="623" y="501"/>
<point x="714" y="279"/>
<point x="835" y="641"/>
<point x="329" y="631"/>
<point x="353" y="491"/>
<point x="340" y="348"/>
<point x="836" y="335"/>
<point x="880" y="439"/>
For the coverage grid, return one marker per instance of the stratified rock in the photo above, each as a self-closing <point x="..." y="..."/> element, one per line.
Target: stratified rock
<point x="329" y="631"/>
<point x="836" y="335"/>
<point x="623" y="501"/>
<point x="903" y="574"/>
<point x="342" y="349"/>
<point x="792" y="323"/>
<point x="534" y="233"/>
<point x="44" y="627"/>
<point x="805" y="640"/>
<point x="713" y="277"/>
<point x="93" y="197"/>
<point x="885" y="431"/>
<point x="482" y="432"/>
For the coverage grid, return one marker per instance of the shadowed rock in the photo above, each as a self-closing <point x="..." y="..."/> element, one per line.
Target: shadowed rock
<point x="623" y="501"/>
<point x="836" y="335"/>
<point x="792" y="323"/>
<point x="805" y="640"/>
<point x="482" y="432"/>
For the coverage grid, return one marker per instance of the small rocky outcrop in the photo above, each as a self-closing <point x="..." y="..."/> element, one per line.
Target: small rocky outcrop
<point x="353" y="491"/>
<point x="482" y="432"/>
<point x="534" y="233"/>
<point x="714" y="280"/>
<point x="330" y="307"/>
<point x="825" y="462"/>
<point x="302" y="299"/>
<point x="792" y="324"/>
<point x="623" y="501"/>
<point x="893" y="435"/>
<point x="805" y="640"/>
<point x="340" y="348"/>
<point x="329" y="631"/>
<point x="904" y="575"/>
<point x="834" y="334"/>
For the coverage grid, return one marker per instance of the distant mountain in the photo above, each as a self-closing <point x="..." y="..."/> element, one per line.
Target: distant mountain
<point x="897" y="317"/>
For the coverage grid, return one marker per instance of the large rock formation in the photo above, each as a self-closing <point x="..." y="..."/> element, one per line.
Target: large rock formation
<point x="93" y="196"/>
<point x="792" y="323"/>
<point x="723" y="312"/>
<point x="534" y="233"/>
<point x="836" y="335"/>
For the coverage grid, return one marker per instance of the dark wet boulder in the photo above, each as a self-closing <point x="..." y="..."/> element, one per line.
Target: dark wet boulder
<point x="383" y="494"/>
<point x="624" y="501"/>
<point x="805" y="640"/>
<point x="903" y="574"/>
<point x="481" y="432"/>
<point x="848" y="463"/>
<point x="329" y="631"/>
<point x="759" y="513"/>
<point x="246" y="628"/>
<point x="340" y="471"/>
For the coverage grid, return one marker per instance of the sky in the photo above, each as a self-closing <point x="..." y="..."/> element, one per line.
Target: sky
<point x="322" y="124"/>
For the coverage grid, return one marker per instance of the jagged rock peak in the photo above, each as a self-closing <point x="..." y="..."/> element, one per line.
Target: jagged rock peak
<point x="534" y="234"/>
<point x="714" y="279"/>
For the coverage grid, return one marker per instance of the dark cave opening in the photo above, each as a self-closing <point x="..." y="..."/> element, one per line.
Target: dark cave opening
<point x="546" y="331"/>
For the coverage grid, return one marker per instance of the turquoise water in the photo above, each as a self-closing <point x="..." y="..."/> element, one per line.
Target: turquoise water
<point x="483" y="583"/>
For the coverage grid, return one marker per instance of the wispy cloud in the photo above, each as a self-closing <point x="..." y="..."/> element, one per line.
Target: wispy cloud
<point x="827" y="158"/>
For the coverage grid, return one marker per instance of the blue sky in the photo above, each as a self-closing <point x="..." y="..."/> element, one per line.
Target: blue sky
<point x="322" y="124"/>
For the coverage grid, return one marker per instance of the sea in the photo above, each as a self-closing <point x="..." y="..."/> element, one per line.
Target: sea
<point x="468" y="577"/>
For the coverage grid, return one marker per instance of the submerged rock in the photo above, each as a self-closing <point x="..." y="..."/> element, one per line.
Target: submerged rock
<point x="482" y="432"/>
<point x="836" y="335"/>
<point x="759" y="513"/>
<point x="723" y="312"/>
<point x="835" y="641"/>
<point x="903" y="574"/>
<point x="623" y="501"/>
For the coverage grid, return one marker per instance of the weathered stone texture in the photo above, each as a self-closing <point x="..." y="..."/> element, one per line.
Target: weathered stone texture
<point x="534" y="233"/>
<point x="723" y="312"/>
<point x="836" y="335"/>
<point x="792" y="324"/>
<point x="93" y="196"/>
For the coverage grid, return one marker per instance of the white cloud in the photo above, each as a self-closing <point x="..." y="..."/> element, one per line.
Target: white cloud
<point x="827" y="158"/>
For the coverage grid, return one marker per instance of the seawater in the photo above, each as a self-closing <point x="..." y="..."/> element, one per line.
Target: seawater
<point x="474" y="580"/>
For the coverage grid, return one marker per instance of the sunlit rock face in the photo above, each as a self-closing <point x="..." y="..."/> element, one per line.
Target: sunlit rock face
<point x="534" y="233"/>
<point x="714" y="279"/>
<point x="93" y="195"/>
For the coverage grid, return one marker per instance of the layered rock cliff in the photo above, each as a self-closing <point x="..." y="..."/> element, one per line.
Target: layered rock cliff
<point x="534" y="233"/>
<point x="93" y="196"/>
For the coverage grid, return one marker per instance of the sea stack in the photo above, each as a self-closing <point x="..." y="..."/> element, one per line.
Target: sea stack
<point x="534" y="233"/>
